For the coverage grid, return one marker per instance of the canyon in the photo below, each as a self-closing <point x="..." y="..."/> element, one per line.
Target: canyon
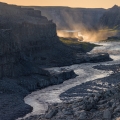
<point x="30" y="49"/>
<point x="72" y="18"/>
<point x="77" y="18"/>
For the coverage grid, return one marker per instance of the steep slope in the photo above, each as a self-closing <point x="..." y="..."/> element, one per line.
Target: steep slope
<point x="72" y="18"/>
<point x="27" y="38"/>
<point x="28" y="41"/>
<point x="111" y="18"/>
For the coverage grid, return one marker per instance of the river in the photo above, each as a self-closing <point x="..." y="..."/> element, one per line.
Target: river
<point x="40" y="99"/>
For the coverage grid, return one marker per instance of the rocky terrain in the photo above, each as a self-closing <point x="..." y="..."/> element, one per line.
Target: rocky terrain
<point x="96" y="106"/>
<point x="72" y="18"/>
<point x="96" y="99"/>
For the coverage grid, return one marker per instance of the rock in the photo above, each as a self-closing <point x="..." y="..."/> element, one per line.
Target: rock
<point x="67" y="112"/>
<point x="74" y="106"/>
<point x="100" y="57"/>
<point x="83" y="107"/>
<point x="113" y="91"/>
<point x="55" y="104"/>
<point x="83" y="115"/>
<point x="117" y="109"/>
<point x="76" y="109"/>
<point x="107" y="114"/>
<point x="85" y="99"/>
<point x="91" y="99"/>
<point x="102" y="102"/>
<point x="77" y="113"/>
<point x="51" y="113"/>
<point x="112" y="101"/>
<point x="92" y="110"/>
<point x="101" y="106"/>
<point x="107" y="94"/>
<point x="96" y="99"/>
<point x="90" y="106"/>
<point x="98" y="95"/>
<point x="81" y="103"/>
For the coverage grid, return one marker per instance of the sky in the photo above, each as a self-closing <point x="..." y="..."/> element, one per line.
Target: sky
<point x="70" y="3"/>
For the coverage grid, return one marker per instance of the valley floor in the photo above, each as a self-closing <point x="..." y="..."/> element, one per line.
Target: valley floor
<point x="92" y="78"/>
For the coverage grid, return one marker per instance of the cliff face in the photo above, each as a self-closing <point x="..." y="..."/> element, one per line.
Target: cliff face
<point x="22" y="43"/>
<point x="7" y="52"/>
<point x="111" y="18"/>
<point x="27" y="40"/>
<point x="72" y="18"/>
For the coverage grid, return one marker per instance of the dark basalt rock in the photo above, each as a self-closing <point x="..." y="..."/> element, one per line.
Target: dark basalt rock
<point x="92" y="58"/>
<point x="113" y="38"/>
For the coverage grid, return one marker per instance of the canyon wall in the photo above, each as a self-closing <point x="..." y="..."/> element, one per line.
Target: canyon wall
<point x="72" y="18"/>
<point x="24" y="42"/>
<point x="27" y="40"/>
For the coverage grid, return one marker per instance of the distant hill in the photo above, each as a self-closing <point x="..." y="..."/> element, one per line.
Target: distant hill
<point x="72" y="18"/>
<point x="111" y="18"/>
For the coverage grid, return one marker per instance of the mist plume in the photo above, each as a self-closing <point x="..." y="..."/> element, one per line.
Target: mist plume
<point x="89" y="35"/>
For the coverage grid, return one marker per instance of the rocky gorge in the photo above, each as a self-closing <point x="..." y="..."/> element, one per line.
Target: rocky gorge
<point x="80" y="16"/>
<point x="92" y="95"/>
<point x="71" y="18"/>
<point x="31" y="58"/>
<point x="23" y="39"/>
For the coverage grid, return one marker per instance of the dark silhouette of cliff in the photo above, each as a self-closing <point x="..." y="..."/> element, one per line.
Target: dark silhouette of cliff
<point x="72" y="18"/>
<point x="28" y="40"/>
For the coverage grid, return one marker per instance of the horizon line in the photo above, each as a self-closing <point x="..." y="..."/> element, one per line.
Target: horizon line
<point x="56" y="6"/>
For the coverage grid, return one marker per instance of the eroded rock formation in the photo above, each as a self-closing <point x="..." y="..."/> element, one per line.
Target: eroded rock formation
<point x="72" y="18"/>
<point x="27" y="38"/>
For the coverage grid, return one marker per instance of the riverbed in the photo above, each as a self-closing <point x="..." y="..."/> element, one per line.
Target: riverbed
<point x="40" y="99"/>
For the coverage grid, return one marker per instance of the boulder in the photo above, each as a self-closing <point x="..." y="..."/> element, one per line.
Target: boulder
<point x="51" y="113"/>
<point x="107" y="114"/>
<point x="82" y="115"/>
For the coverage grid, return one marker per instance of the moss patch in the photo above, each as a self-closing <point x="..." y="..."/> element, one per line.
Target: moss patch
<point x="74" y="43"/>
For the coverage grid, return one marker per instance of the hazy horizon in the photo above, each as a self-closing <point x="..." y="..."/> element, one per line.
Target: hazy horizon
<point x="68" y="3"/>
